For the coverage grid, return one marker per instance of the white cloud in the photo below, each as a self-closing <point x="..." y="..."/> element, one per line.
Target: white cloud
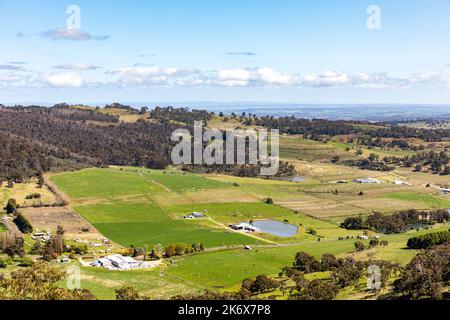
<point x="71" y="34"/>
<point x="326" y="79"/>
<point x="143" y="75"/>
<point x="78" y="67"/>
<point x="261" y="76"/>
<point x="65" y="80"/>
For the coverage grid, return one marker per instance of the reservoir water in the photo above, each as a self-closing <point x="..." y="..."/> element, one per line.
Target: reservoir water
<point x="276" y="228"/>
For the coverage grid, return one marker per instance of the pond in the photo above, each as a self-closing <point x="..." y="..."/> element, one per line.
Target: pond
<point x="276" y="228"/>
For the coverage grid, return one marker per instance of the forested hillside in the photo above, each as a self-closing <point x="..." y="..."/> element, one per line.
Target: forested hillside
<point x="32" y="136"/>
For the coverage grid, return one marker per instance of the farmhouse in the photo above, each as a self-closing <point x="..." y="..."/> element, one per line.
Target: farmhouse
<point x="367" y="181"/>
<point x="244" y="227"/>
<point x="119" y="262"/>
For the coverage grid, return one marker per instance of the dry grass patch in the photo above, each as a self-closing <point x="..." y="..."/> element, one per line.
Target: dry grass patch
<point x="51" y="218"/>
<point x="21" y="190"/>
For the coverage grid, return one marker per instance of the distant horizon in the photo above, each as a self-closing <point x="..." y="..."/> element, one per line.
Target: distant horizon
<point x="356" y="112"/>
<point x="152" y="104"/>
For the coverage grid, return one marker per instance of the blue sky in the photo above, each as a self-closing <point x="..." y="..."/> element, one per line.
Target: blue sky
<point x="246" y="50"/>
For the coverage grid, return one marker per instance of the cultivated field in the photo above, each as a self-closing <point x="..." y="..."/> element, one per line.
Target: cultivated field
<point x="141" y="207"/>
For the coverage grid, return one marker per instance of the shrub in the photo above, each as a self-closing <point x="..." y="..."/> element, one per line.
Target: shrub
<point x="4" y="262"/>
<point x="359" y="246"/>
<point x="26" y="262"/>
<point x="33" y="196"/>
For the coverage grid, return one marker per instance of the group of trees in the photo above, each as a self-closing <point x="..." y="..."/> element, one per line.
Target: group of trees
<point x="436" y="162"/>
<point x="34" y="139"/>
<point x="11" y="244"/>
<point x="427" y="275"/>
<point x="39" y="282"/>
<point x="246" y="170"/>
<point x="397" y="222"/>
<point x="373" y="163"/>
<point x="183" y="115"/>
<point x="12" y="208"/>
<point x="180" y="249"/>
<point x="344" y="272"/>
<point x="428" y="240"/>
<point x="320" y="127"/>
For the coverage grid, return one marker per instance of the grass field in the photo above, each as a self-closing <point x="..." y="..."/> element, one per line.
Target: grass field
<point x="21" y="190"/>
<point x="139" y="207"/>
<point x="119" y="203"/>
<point x="427" y="199"/>
<point x="218" y="270"/>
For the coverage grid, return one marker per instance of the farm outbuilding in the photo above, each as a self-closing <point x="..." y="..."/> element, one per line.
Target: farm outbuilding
<point x="244" y="227"/>
<point x="367" y="181"/>
<point x="119" y="262"/>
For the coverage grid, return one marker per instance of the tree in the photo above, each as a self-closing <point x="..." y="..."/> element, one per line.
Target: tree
<point x="374" y="242"/>
<point x="335" y="159"/>
<point x="41" y="180"/>
<point x="426" y="274"/>
<point x="446" y="171"/>
<point x="39" y="282"/>
<point x="53" y="248"/>
<point x="359" y="246"/>
<point x="127" y="293"/>
<point x="318" y="290"/>
<point x="170" y="251"/>
<point x="23" y="224"/>
<point x="11" y="206"/>
<point x="60" y="231"/>
<point x="306" y="263"/>
<point x="348" y="272"/>
<point x="353" y="223"/>
<point x="11" y="244"/>
<point x="328" y="262"/>
<point x="263" y="284"/>
<point x="268" y="201"/>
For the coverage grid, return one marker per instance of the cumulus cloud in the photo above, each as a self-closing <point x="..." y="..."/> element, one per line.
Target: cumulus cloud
<point x="261" y="76"/>
<point x="71" y="34"/>
<point x="77" y="67"/>
<point x="146" y="75"/>
<point x="326" y="79"/>
<point x="142" y="75"/>
<point x="65" y="80"/>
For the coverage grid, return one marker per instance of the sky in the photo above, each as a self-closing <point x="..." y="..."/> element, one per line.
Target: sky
<point x="290" y="51"/>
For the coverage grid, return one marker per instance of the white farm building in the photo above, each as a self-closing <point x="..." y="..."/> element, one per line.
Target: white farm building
<point x="119" y="262"/>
